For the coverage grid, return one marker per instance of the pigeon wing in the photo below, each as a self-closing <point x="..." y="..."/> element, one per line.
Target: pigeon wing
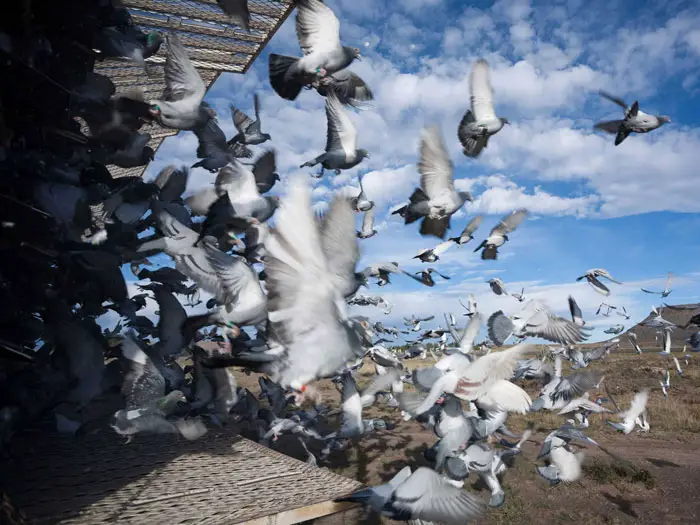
<point x="368" y="221"/>
<point x="575" y="385"/>
<point x="428" y="496"/>
<point x="340" y="245"/>
<point x="241" y="183"/>
<point x="510" y="222"/>
<point x="237" y="282"/>
<point x="240" y="119"/>
<point x="341" y="134"/>
<point x="472" y="226"/>
<point x="435" y="166"/>
<point x="181" y="78"/>
<point x="481" y="91"/>
<point x="264" y="169"/>
<point x="350" y="88"/>
<point x="553" y="328"/>
<point x="318" y="29"/>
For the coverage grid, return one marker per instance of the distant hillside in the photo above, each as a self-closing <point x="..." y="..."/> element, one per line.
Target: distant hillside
<point x="675" y="315"/>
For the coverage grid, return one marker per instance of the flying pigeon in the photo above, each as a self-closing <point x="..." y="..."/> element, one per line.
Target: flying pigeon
<point x="248" y="129"/>
<point x="520" y="297"/>
<point x="468" y="231"/>
<point x="497" y="286"/>
<point x="430" y="255"/>
<point x="238" y="11"/>
<point x="592" y="277"/>
<point x="437" y="199"/>
<point x="564" y="465"/>
<point x="615" y="329"/>
<point x="367" y="225"/>
<point x="631" y="416"/>
<point x="341" y="141"/>
<point x="667" y="290"/>
<point x="535" y="320"/>
<point x="499" y="234"/>
<point x="425" y="276"/>
<point x="422" y="495"/>
<point x="181" y="105"/>
<point x="318" y="32"/>
<point x="624" y="313"/>
<point x="481" y="121"/>
<point x="635" y="121"/>
<point x="361" y="202"/>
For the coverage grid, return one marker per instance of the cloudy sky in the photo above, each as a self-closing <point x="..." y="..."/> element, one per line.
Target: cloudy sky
<point x="631" y="209"/>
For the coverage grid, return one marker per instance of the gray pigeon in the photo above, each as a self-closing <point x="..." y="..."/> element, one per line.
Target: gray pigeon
<point x="437" y="199"/>
<point x="212" y="149"/>
<point x="426" y="276"/>
<point x="248" y="129"/>
<point x="350" y="89"/>
<point x="181" y="104"/>
<point x="497" y="286"/>
<point x="264" y="170"/>
<point x="481" y="122"/>
<point x="238" y="11"/>
<point x="592" y="277"/>
<point x="341" y="141"/>
<point x="499" y="234"/>
<point x="318" y="32"/>
<point x="422" y="495"/>
<point x="635" y="121"/>
<point x="468" y="231"/>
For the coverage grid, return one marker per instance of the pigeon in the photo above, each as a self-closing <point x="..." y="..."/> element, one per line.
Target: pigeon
<point x="430" y="255"/>
<point x="422" y="495"/>
<point x="318" y="32"/>
<point x="564" y="465"/>
<point x="147" y="405"/>
<point x="592" y="277"/>
<point x="635" y="121"/>
<point x="212" y="148"/>
<point x="562" y="390"/>
<point x="615" y="329"/>
<point x="350" y="89"/>
<point x="361" y="202"/>
<point x="238" y="11"/>
<point x="481" y="122"/>
<point x="426" y="276"/>
<point x="624" y="313"/>
<point x="667" y="290"/>
<point x="497" y="286"/>
<point x="520" y="297"/>
<point x="535" y="320"/>
<point x="437" y="199"/>
<point x="633" y="340"/>
<point x="310" y="267"/>
<point x="657" y="321"/>
<point x="264" y="171"/>
<point x="367" y="225"/>
<point x="382" y="271"/>
<point x="341" y="141"/>
<point x="499" y="234"/>
<point x="181" y="104"/>
<point x="468" y="231"/>
<point x="248" y="129"/>
<point x="631" y="416"/>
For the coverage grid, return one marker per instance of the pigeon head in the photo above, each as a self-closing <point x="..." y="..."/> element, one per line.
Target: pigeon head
<point x="363" y="153"/>
<point x="466" y="196"/>
<point x="664" y="119"/>
<point x="505" y="121"/>
<point x="276" y="176"/>
<point x="266" y="136"/>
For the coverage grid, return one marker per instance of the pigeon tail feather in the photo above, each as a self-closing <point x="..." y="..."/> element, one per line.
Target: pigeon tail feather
<point x="500" y="327"/>
<point x="286" y="84"/>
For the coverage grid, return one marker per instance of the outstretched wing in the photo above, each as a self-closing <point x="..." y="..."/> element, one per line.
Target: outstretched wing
<point x="481" y="91"/>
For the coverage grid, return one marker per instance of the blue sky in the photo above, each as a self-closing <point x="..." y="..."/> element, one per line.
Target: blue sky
<point x="633" y="210"/>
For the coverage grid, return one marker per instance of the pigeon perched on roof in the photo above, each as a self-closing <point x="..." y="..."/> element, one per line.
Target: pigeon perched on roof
<point x="535" y="320"/>
<point x="341" y="141"/>
<point x="499" y="234"/>
<point x="437" y="199"/>
<point x="481" y="122"/>
<point x="181" y="104"/>
<point x="592" y="277"/>
<point x="468" y="231"/>
<point x="249" y="130"/>
<point x="422" y="495"/>
<point x="318" y="32"/>
<point x="635" y="121"/>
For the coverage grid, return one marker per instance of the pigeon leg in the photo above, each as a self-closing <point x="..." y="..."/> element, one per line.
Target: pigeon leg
<point x="319" y="174"/>
<point x="337" y="172"/>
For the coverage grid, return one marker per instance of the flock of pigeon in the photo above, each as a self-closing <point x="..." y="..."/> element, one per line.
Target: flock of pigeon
<point x="279" y="295"/>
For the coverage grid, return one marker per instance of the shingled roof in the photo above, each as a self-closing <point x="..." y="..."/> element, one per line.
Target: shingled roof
<point x="214" y="45"/>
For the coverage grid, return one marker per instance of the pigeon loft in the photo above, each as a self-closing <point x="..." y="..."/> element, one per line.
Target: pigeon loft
<point x="213" y="43"/>
<point x="220" y="479"/>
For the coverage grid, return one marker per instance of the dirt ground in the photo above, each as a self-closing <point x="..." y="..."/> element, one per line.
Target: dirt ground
<point x="656" y="484"/>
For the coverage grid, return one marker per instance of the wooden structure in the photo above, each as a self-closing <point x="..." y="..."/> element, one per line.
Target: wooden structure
<point x="213" y="43"/>
<point x="220" y="479"/>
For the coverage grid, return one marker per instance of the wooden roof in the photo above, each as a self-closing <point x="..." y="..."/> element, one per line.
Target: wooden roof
<point x="213" y="43"/>
<point x="219" y="479"/>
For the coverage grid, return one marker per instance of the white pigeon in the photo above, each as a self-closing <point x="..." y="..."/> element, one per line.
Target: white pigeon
<point x="309" y="268"/>
<point x="481" y="122"/>
<point x="181" y="104"/>
<point x="630" y="416"/>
